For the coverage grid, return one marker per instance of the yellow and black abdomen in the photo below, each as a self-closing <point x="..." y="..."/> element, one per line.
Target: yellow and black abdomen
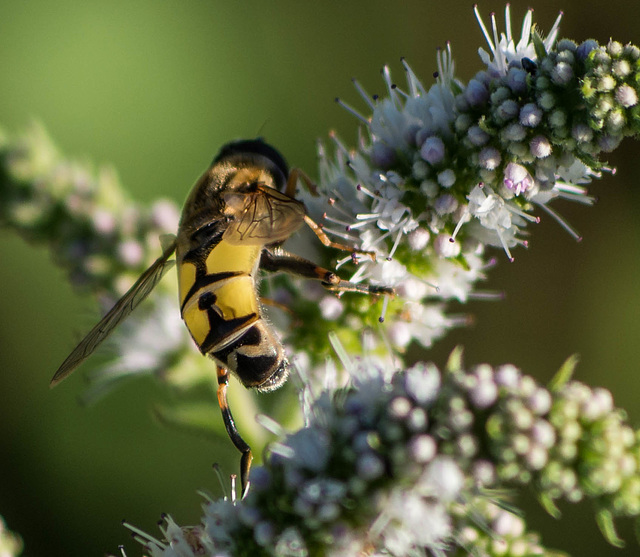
<point x="220" y="307"/>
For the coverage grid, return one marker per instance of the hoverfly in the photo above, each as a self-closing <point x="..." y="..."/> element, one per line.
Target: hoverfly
<point x="233" y="223"/>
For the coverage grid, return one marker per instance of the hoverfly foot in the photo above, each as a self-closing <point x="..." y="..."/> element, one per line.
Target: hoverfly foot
<point x="355" y="253"/>
<point x="331" y="279"/>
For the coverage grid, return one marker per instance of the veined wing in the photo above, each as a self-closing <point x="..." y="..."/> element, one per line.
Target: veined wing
<point x="263" y="217"/>
<point x="124" y="306"/>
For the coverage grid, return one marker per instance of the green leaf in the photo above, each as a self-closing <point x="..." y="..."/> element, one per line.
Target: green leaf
<point x="454" y="363"/>
<point x="538" y="45"/>
<point x="604" y="518"/>
<point x="549" y="505"/>
<point x="500" y="497"/>
<point x="564" y="374"/>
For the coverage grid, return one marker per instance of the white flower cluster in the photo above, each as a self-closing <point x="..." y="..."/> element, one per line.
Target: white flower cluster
<point x="339" y="478"/>
<point x="441" y="173"/>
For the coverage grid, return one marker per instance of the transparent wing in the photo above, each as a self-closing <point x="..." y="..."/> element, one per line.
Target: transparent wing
<point x="125" y="305"/>
<point x="263" y="217"/>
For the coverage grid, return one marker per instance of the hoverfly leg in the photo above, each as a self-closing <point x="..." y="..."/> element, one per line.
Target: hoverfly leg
<point x="294" y="175"/>
<point x="292" y="182"/>
<point x="277" y="259"/>
<point x="232" y="430"/>
<point x="346" y="286"/>
<point x="317" y="230"/>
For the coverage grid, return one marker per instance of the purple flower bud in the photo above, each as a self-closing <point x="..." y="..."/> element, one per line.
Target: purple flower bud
<point x="514" y="132"/>
<point x="585" y="48"/>
<point x="445" y="204"/>
<point x="507" y="110"/>
<point x="566" y="46"/>
<point x="410" y="134"/>
<point x="517" y="80"/>
<point x="614" y="48"/>
<point x="489" y="158"/>
<point x="477" y="136"/>
<point x="609" y="143"/>
<point x="433" y="150"/>
<point x="582" y="133"/>
<point x="446" y="178"/>
<point x="476" y="93"/>
<point x="418" y="239"/>
<point x="530" y="115"/>
<point x="382" y="155"/>
<point x="621" y="68"/>
<point x="606" y="83"/>
<point x="626" y="95"/>
<point x="540" y="147"/>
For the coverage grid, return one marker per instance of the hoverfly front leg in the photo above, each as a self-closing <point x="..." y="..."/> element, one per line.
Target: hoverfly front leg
<point x="290" y="190"/>
<point x="232" y="430"/>
<point x="292" y="182"/>
<point x="317" y="230"/>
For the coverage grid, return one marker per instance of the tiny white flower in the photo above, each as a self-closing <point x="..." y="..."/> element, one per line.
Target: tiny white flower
<point x="423" y="382"/>
<point x="400" y="334"/>
<point x="165" y="215"/>
<point x="442" y="479"/>
<point x="445" y="247"/>
<point x="503" y="49"/>
<point x="418" y="239"/>
<point x="331" y="307"/>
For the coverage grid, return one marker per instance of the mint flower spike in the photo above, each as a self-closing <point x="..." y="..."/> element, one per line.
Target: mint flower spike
<point x="412" y="462"/>
<point x="442" y="174"/>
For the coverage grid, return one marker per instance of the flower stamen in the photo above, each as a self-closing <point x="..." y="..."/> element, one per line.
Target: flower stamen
<point x="563" y="223"/>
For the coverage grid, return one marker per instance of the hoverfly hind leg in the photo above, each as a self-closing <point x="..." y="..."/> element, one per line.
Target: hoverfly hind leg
<point x="232" y="430"/>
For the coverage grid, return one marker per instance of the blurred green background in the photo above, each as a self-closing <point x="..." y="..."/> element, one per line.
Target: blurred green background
<point x="155" y="87"/>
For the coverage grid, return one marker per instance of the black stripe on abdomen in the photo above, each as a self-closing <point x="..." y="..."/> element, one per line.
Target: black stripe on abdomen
<point x="205" y="280"/>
